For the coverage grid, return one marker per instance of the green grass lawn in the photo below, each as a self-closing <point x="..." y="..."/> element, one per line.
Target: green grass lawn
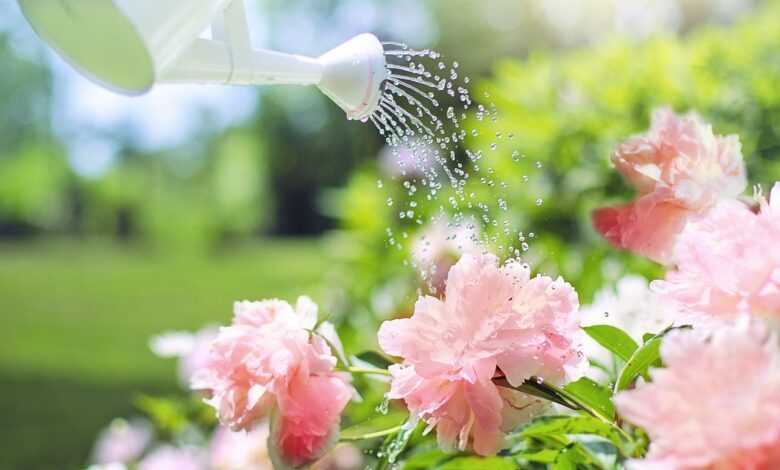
<point x="75" y="318"/>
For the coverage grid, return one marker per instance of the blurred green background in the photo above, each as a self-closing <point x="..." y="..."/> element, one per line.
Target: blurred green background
<point x="124" y="217"/>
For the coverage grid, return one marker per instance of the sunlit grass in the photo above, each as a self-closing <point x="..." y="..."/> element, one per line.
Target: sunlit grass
<point x="75" y="318"/>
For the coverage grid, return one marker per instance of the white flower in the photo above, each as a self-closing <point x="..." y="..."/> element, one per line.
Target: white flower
<point x="121" y="442"/>
<point x="190" y="348"/>
<point x="630" y="306"/>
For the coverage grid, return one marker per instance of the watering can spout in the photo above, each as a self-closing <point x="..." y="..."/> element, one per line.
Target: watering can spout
<point x="351" y="74"/>
<point x="129" y="45"/>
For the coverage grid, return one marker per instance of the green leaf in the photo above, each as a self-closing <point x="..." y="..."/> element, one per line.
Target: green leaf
<point x="470" y="463"/>
<point x="597" y="397"/>
<point x="167" y="414"/>
<point x="602" y="451"/>
<point x="426" y="459"/>
<point x="565" y="425"/>
<point x="541" y="456"/>
<point x="614" y="339"/>
<point x="536" y="388"/>
<point x="374" y="425"/>
<point x="566" y="460"/>
<point x="639" y="362"/>
<point x="375" y="359"/>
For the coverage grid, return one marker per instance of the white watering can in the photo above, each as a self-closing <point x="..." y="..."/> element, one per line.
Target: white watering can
<point x="129" y="45"/>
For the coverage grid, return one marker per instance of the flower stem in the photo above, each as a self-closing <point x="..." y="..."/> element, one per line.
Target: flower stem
<point x="367" y="371"/>
<point x="372" y="435"/>
<point x="541" y="389"/>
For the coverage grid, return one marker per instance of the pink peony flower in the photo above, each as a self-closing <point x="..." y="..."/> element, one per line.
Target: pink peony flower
<point x="122" y="442"/>
<point x="270" y="362"/>
<point x="716" y="405"/>
<point x="169" y="457"/>
<point x="494" y="321"/>
<point x="242" y="450"/>
<point x="729" y="261"/>
<point x="680" y="168"/>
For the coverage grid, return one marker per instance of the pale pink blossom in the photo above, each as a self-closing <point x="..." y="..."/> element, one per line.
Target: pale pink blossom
<point x="240" y="450"/>
<point x="270" y="362"/>
<point x="439" y="246"/>
<point x="680" y="168"/>
<point x="168" y="457"/>
<point x="634" y="308"/>
<point x="122" y="442"/>
<point x="729" y="261"/>
<point x="192" y="350"/>
<point x="494" y="321"/>
<point x="416" y="159"/>
<point x="716" y="404"/>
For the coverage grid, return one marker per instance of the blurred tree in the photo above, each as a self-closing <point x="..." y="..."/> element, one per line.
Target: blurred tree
<point x="241" y="185"/>
<point x="34" y="185"/>
<point x="24" y="97"/>
<point x="312" y="146"/>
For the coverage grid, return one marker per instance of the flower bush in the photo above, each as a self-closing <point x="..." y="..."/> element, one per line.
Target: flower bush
<point x="492" y="363"/>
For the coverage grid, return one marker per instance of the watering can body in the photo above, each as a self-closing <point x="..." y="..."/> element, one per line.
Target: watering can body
<point x="129" y="45"/>
<point x="125" y="45"/>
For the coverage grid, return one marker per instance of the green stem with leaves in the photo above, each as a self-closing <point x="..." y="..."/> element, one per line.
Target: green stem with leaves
<point x="541" y="389"/>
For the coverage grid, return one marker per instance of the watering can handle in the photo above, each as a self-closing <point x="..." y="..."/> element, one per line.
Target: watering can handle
<point x="228" y="58"/>
<point x="232" y="28"/>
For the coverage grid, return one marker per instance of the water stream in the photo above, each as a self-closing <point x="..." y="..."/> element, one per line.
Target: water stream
<point x="424" y="110"/>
